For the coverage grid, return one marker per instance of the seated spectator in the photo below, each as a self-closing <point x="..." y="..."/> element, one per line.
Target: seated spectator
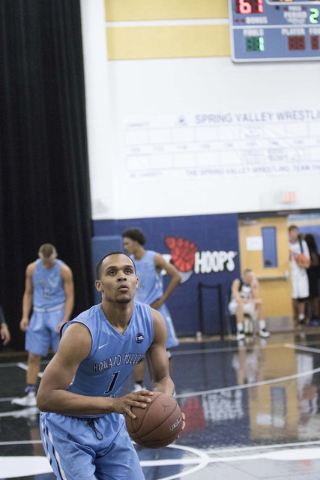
<point x="313" y="276"/>
<point x="245" y="301"/>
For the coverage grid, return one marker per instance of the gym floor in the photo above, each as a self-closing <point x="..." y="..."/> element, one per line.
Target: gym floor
<point x="252" y="412"/>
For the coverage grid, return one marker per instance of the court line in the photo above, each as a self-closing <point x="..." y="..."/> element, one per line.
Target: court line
<point x="7" y="399"/>
<point x="21" y="442"/>
<point x="248" y="385"/>
<point x="25" y="367"/>
<point x="264" y="447"/>
<point x="221" y="350"/>
<point x="301" y="347"/>
<point x="16" y="364"/>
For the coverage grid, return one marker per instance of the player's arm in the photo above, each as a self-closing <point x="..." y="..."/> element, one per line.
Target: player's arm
<point x="161" y="264"/>
<point x="27" y="299"/>
<point x="235" y="290"/>
<point x="4" y="333"/>
<point x="67" y="278"/>
<point x="157" y="357"/>
<point x="74" y="347"/>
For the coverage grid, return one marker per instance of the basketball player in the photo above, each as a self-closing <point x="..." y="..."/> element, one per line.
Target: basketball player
<point x="244" y="300"/>
<point x="86" y="437"/>
<point x="299" y="276"/>
<point x="149" y="265"/>
<point x="49" y="289"/>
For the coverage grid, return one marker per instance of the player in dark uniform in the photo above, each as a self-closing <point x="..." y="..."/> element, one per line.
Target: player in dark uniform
<point x="86" y="438"/>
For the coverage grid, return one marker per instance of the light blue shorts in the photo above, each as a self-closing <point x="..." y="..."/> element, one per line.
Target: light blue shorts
<point x="79" y="451"/>
<point x="172" y="340"/>
<point x="41" y="332"/>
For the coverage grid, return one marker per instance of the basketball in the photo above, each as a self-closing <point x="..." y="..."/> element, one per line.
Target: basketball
<point x="302" y="261"/>
<point x="158" y="425"/>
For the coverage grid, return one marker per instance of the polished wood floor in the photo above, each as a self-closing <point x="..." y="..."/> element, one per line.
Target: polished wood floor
<point x="252" y="412"/>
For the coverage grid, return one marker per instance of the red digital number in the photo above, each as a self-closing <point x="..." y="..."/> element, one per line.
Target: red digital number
<point x="245" y="7"/>
<point x="249" y="6"/>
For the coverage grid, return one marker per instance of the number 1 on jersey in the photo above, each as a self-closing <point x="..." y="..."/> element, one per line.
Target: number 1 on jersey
<point x="112" y="384"/>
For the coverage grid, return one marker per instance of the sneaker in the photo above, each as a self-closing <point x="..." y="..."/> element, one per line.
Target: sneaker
<point x="240" y="335"/>
<point x="25" y="413"/>
<point x="137" y="387"/>
<point x="30" y="400"/>
<point x="264" y="333"/>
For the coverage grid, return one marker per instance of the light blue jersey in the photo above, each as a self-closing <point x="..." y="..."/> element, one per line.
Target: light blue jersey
<point x="47" y="286"/>
<point x="151" y="288"/>
<point x="113" y="355"/>
<point x="150" y="281"/>
<point x="87" y="447"/>
<point x="48" y="309"/>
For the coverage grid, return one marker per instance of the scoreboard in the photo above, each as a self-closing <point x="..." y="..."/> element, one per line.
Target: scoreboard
<point x="271" y="30"/>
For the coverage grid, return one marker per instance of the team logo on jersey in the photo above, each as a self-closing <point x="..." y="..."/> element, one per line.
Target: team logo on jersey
<point x="139" y="337"/>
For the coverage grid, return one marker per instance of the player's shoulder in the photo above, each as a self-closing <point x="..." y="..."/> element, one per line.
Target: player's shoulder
<point x="31" y="268"/>
<point x="85" y="318"/>
<point x="157" y="317"/>
<point x="65" y="269"/>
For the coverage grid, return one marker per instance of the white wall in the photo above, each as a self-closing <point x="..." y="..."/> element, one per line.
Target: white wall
<point x="132" y="102"/>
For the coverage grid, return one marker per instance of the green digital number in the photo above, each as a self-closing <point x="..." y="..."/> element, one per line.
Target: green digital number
<point x="254" y="44"/>
<point x="314" y="15"/>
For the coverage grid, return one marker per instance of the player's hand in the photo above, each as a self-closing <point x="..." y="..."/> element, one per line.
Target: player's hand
<point x="133" y="399"/>
<point x="24" y="324"/>
<point x="60" y="325"/>
<point x="157" y="303"/>
<point x="5" y="334"/>
<point x="183" y="422"/>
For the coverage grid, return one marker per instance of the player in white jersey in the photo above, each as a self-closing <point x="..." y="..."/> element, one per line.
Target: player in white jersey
<point x="299" y="276"/>
<point x="149" y="265"/>
<point x="86" y="438"/>
<point x="49" y="292"/>
<point x="245" y="300"/>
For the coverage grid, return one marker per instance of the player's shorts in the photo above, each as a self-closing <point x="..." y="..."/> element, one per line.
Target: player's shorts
<point x="83" y="449"/>
<point x="172" y="340"/>
<point x="300" y="286"/>
<point x="41" y="332"/>
<point x="248" y="309"/>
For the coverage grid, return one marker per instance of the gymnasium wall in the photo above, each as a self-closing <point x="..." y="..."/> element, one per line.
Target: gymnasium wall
<point x="176" y="128"/>
<point x="181" y="139"/>
<point x="205" y="250"/>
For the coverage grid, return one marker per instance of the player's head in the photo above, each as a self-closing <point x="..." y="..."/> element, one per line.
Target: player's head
<point x="48" y="254"/>
<point x="99" y="265"/>
<point x="293" y="233"/>
<point x="116" y="278"/>
<point x="132" y="240"/>
<point x="247" y="275"/>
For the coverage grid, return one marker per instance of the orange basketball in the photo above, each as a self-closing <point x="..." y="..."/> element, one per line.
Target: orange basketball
<point x="302" y="261"/>
<point x="158" y="425"/>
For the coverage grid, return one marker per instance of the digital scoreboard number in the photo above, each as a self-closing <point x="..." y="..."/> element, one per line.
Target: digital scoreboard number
<point x="274" y="30"/>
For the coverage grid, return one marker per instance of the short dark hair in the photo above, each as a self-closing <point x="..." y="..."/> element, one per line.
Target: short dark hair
<point x="247" y="270"/>
<point x="98" y="267"/>
<point x="293" y="227"/>
<point x="47" y="249"/>
<point x="135" y="234"/>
